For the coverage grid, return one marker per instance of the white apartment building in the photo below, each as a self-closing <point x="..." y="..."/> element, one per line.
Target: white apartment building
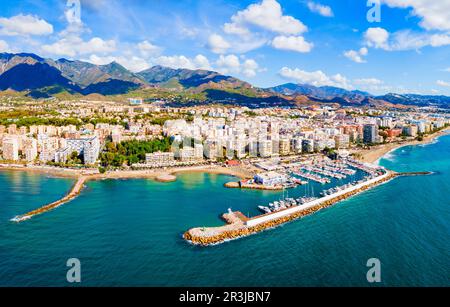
<point x="11" y="149"/>
<point x="30" y="149"/>
<point x="160" y="158"/>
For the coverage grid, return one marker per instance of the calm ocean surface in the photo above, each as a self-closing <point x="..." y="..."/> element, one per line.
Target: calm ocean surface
<point x="128" y="232"/>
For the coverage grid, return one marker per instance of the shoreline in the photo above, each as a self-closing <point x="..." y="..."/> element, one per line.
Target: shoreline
<point x="49" y="171"/>
<point x="126" y="174"/>
<point x="374" y="155"/>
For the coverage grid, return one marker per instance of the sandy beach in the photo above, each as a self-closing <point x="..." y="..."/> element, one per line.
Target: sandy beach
<point x="377" y="152"/>
<point x="129" y="174"/>
<point x="49" y="171"/>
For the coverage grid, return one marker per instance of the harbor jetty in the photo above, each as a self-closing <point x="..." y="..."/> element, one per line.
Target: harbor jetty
<point x="239" y="226"/>
<point x="73" y="193"/>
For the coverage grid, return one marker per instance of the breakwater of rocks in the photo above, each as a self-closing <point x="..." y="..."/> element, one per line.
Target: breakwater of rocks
<point x="74" y="192"/>
<point x="217" y="235"/>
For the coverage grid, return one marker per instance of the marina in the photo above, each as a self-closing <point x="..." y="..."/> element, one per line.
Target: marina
<point x="312" y="177"/>
<point x="244" y="226"/>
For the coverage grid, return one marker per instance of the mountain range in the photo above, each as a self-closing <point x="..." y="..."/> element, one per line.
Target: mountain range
<point x="42" y="78"/>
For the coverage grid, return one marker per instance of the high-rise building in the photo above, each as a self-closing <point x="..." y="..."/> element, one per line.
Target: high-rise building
<point x="285" y="146"/>
<point x="370" y="134"/>
<point x="265" y="148"/>
<point x="160" y="158"/>
<point x="11" y="149"/>
<point x="89" y="148"/>
<point x="30" y="149"/>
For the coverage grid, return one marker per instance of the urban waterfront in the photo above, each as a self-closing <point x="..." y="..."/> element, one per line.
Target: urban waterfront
<point x="128" y="232"/>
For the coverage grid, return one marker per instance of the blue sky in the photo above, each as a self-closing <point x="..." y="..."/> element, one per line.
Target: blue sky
<point x="265" y="42"/>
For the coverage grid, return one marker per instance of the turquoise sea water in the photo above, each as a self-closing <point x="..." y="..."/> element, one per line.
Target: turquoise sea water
<point x="128" y="232"/>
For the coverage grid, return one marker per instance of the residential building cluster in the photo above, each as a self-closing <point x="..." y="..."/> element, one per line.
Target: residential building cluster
<point x="213" y="133"/>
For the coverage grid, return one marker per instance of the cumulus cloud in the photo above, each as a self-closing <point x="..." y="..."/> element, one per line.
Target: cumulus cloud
<point x="262" y="23"/>
<point x="147" y="49"/>
<point x="404" y="39"/>
<point x="181" y="61"/>
<point x="357" y="56"/>
<point x="319" y="78"/>
<point x="74" y="46"/>
<point x="377" y="37"/>
<point x="292" y="43"/>
<point x="133" y="63"/>
<point x="323" y="10"/>
<point x="231" y="64"/>
<point x="25" y="25"/>
<point x="435" y="15"/>
<point x="218" y="44"/>
<point x="316" y="78"/>
<point x="373" y="85"/>
<point x="267" y="15"/>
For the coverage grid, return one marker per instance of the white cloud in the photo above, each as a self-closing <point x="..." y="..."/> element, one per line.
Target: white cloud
<point x="250" y="68"/>
<point x="147" y="49"/>
<point x="4" y="47"/>
<point x="133" y="63"/>
<point x="319" y="78"/>
<point x="323" y="10"/>
<point x="231" y="64"/>
<point x="438" y="40"/>
<point x="259" y="24"/>
<point x="377" y="37"/>
<point x="24" y="25"/>
<point x="232" y="28"/>
<point x="202" y="62"/>
<point x="218" y="44"/>
<point x="267" y="15"/>
<point x="447" y="69"/>
<point x="316" y="78"/>
<point x="181" y="61"/>
<point x="74" y="46"/>
<point x="404" y="39"/>
<point x="435" y="15"/>
<point x="443" y="83"/>
<point x="357" y="55"/>
<point x="293" y="43"/>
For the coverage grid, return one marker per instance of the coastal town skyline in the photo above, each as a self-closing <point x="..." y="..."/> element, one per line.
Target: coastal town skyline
<point x="308" y="42"/>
